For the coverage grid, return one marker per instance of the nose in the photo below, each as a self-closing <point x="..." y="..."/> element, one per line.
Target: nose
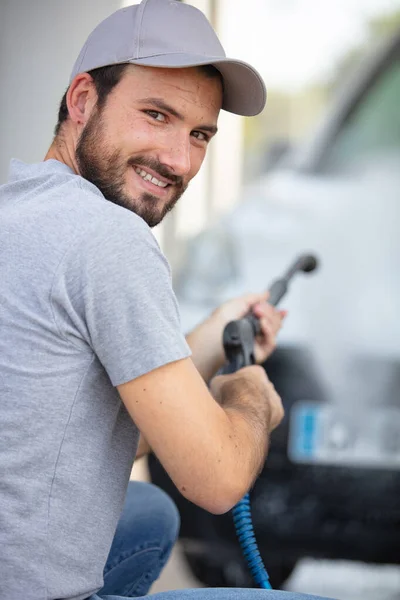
<point x="176" y="154"/>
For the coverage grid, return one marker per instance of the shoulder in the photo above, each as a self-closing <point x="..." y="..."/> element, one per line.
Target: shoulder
<point x="117" y="229"/>
<point x="101" y="224"/>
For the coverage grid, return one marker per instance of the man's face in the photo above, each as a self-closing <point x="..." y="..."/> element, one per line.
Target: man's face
<point x="150" y="138"/>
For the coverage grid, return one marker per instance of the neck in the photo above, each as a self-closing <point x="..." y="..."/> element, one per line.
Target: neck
<point x="63" y="150"/>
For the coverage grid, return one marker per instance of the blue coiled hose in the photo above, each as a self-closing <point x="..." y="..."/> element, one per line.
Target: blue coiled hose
<point x="245" y="532"/>
<point x="238" y="340"/>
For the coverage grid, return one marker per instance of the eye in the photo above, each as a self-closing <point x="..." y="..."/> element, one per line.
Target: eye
<point x="157" y="116"/>
<point x="202" y="137"/>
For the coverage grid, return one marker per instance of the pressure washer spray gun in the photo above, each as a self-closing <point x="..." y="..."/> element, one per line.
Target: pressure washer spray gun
<point x="238" y="340"/>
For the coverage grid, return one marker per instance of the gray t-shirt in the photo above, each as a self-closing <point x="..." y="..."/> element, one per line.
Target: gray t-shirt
<point x="86" y="304"/>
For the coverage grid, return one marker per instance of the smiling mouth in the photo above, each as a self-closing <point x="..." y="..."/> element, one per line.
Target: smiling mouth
<point x="151" y="178"/>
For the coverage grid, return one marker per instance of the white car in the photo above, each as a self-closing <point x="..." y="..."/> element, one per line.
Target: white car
<point x="338" y="196"/>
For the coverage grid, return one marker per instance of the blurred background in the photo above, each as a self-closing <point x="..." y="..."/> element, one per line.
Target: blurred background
<point x="318" y="171"/>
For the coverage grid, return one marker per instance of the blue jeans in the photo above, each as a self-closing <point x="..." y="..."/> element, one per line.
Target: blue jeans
<point x="145" y="536"/>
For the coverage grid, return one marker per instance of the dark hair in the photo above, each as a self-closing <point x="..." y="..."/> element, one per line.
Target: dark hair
<point x="106" y="78"/>
<point x="210" y="71"/>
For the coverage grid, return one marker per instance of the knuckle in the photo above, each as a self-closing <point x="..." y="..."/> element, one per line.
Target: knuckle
<point x="271" y="388"/>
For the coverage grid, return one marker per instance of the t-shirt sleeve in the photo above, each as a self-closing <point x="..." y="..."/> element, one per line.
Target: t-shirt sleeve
<point x="113" y="293"/>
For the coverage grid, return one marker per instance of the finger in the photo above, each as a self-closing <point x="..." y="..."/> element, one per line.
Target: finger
<point x="268" y="333"/>
<point x="277" y="317"/>
<point x="265" y="344"/>
<point x="262" y="309"/>
<point x="266" y="326"/>
<point x="276" y="323"/>
<point x="253" y="300"/>
<point x="273" y="317"/>
<point x="263" y="351"/>
<point x="269" y="327"/>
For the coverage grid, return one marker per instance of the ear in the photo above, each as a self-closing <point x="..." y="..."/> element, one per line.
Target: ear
<point x="81" y="98"/>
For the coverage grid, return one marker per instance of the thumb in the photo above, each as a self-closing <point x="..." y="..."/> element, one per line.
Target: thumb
<point x="255" y="299"/>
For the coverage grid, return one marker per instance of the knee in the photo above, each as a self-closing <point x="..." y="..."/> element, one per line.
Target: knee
<point x="154" y="513"/>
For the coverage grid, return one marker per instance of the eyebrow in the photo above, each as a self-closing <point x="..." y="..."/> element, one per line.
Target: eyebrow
<point x="159" y="103"/>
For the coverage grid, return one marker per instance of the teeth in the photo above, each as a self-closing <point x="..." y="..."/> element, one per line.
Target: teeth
<point x="148" y="177"/>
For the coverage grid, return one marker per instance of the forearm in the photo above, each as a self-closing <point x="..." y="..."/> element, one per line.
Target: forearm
<point x="232" y="457"/>
<point x="210" y="453"/>
<point x="250" y="416"/>
<point x="207" y="350"/>
<point x="247" y="420"/>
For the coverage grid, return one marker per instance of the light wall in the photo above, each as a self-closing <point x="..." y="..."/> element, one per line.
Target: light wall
<point x="39" y="42"/>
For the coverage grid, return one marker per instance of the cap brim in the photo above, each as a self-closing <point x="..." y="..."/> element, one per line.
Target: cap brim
<point x="244" y="89"/>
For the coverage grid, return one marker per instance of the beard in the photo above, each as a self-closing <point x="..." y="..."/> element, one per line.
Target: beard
<point x="107" y="170"/>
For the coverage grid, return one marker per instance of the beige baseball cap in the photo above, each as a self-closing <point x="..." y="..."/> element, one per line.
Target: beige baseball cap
<point x="170" y="34"/>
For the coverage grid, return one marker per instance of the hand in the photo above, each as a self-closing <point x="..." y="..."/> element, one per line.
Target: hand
<point x="250" y="382"/>
<point x="270" y="318"/>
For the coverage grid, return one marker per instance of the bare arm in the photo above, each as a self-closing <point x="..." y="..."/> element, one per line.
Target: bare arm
<point x="211" y="450"/>
<point x="205" y="341"/>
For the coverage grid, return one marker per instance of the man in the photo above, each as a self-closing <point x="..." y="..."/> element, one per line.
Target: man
<point x="91" y="349"/>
